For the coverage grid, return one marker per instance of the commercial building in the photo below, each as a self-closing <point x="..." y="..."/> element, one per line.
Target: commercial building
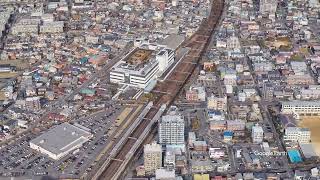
<point x="171" y="129"/>
<point x="257" y="134"/>
<point x="141" y="66"/>
<point x="297" y="134"/>
<point x="152" y="157"/>
<point x="61" y="140"/>
<point x="301" y="108"/>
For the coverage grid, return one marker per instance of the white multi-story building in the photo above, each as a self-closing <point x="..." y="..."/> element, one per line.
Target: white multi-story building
<point x="152" y="157"/>
<point x="301" y="108"/>
<point x="216" y="153"/>
<point x="141" y="66"/>
<point x="171" y="129"/>
<point x="19" y="28"/>
<point x="165" y="57"/>
<point x="52" y="27"/>
<point x="268" y="7"/>
<point x="257" y="134"/>
<point x="301" y="135"/>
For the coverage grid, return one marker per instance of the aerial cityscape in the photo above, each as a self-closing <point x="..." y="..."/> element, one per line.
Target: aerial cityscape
<point x="159" y="89"/>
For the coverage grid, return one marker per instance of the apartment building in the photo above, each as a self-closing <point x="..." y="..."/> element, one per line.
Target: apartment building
<point x="257" y="134"/>
<point x="217" y="103"/>
<point x="171" y="129"/>
<point x="152" y="158"/>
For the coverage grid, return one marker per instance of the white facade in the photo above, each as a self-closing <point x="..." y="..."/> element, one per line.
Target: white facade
<point x="263" y="66"/>
<point x="165" y="57"/>
<point x="164" y="174"/>
<point x="16" y="29"/>
<point x="301" y="108"/>
<point x="142" y="75"/>
<point x="257" y="134"/>
<point x="301" y="135"/>
<point x="61" y="140"/>
<point x="171" y="129"/>
<point x="123" y="73"/>
<point x="216" y="153"/>
<point x="52" y="27"/>
<point x="26" y="26"/>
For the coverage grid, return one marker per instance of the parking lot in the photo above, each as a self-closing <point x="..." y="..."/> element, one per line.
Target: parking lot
<point x="19" y="159"/>
<point x="253" y="157"/>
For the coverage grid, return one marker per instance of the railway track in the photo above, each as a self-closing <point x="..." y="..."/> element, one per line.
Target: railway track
<point x="166" y="91"/>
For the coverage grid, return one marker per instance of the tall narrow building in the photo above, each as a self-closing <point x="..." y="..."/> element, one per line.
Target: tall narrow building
<point x="257" y="134"/>
<point x="152" y="158"/>
<point x="171" y="129"/>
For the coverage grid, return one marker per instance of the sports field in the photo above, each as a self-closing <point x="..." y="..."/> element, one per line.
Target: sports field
<point x="313" y="123"/>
